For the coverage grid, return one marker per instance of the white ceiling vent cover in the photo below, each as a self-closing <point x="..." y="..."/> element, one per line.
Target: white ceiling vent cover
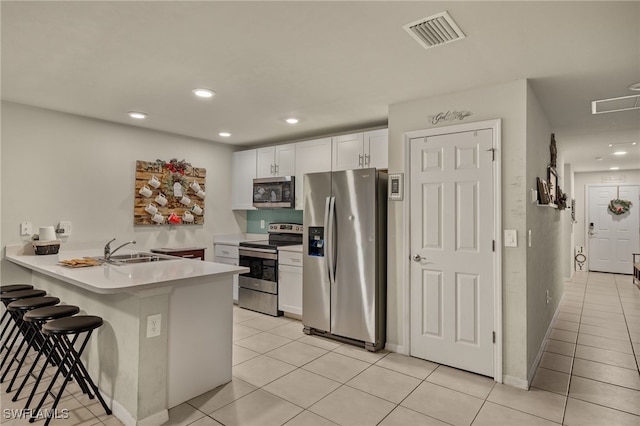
<point x="434" y="30"/>
<point x="623" y="103"/>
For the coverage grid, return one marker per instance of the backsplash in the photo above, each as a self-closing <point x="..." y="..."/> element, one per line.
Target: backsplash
<point x="276" y="215"/>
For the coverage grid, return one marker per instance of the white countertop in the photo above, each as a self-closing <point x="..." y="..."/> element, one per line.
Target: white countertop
<point x="108" y="278"/>
<point x="236" y="239"/>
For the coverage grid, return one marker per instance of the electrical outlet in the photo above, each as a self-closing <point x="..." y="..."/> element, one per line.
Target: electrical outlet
<point x="154" y="325"/>
<point x="64" y="228"/>
<point x="262" y="223"/>
<point x="25" y="229"/>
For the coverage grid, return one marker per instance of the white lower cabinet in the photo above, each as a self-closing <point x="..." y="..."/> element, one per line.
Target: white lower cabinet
<point x="228" y="254"/>
<point x="290" y="282"/>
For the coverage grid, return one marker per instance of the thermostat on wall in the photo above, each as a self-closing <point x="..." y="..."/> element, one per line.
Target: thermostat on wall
<point x="396" y="187"/>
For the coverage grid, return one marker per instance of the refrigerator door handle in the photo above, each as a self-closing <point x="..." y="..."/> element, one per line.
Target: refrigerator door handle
<point x="330" y="239"/>
<point x="327" y="249"/>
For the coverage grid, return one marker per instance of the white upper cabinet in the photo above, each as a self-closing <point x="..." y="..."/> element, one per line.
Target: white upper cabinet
<point x="311" y="157"/>
<point x="361" y="150"/>
<point x="279" y="160"/>
<point x="376" y="148"/>
<point x="347" y="152"/>
<point x="243" y="171"/>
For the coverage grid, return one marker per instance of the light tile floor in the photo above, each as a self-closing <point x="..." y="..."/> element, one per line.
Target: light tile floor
<point x="588" y="375"/>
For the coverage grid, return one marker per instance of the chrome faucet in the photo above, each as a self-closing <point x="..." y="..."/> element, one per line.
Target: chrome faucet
<point x="107" y="248"/>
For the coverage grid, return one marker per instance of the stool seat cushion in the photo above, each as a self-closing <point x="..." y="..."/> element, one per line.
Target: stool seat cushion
<point x="72" y="325"/>
<point x="32" y="303"/>
<point x="51" y="312"/>
<point x="14" y="287"/>
<point x="21" y="294"/>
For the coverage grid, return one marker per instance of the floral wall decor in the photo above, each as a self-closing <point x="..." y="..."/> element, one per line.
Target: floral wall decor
<point x="170" y="192"/>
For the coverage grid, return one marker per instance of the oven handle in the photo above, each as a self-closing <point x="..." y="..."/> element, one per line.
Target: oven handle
<point x="259" y="253"/>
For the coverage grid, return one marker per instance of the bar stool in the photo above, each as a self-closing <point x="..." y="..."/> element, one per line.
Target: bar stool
<point x="31" y="334"/>
<point x="6" y="299"/>
<point x="58" y="330"/>
<point x="6" y="289"/>
<point x="38" y="317"/>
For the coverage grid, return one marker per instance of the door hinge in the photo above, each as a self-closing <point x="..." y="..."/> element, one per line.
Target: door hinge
<point x="494" y="337"/>
<point x="493" y="245"/>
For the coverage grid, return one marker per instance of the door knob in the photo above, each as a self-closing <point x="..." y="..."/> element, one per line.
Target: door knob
<point x="417" y="258"/>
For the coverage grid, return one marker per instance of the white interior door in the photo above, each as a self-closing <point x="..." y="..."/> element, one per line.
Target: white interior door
<point x="613" y="238"/>
<point x="452" y="233"/>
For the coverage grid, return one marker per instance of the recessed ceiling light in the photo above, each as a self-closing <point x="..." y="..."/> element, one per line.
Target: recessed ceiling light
<point x="292" y="120"/>
<point x="620" y="153"/>
<point x="203" y="93"/>
<point x="138" y="115"/>
<point x="614" y="168"/>
<point x="598" y="158"/>
<point x="225" y="134"/>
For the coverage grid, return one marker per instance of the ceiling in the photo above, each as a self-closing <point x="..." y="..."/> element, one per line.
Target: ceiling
<point x="337" y="66"/>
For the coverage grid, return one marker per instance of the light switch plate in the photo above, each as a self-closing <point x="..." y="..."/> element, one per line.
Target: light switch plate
<point x="510" y="238"/>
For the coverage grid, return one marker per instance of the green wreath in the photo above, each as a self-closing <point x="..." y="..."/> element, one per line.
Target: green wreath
<point x="618" y="206"/>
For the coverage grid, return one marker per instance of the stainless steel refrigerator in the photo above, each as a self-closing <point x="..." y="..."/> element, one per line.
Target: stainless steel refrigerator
<point x="344" y="257"/>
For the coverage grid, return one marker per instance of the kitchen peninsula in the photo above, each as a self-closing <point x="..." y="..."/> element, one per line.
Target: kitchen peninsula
<point x="191" y="307"/>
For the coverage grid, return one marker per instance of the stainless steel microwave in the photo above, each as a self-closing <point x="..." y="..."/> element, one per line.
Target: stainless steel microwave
<point x="274" y="193"/>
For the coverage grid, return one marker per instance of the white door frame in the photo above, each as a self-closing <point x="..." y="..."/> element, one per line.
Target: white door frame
<point x="586" y="213"/>
<point x="496" y="126"/>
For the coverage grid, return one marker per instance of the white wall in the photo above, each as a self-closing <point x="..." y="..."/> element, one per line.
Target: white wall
<point x="57" y="166"/>
<point x="581" y="180"/>
<point x="545" y="256"/>
<point x="505" y="101"/>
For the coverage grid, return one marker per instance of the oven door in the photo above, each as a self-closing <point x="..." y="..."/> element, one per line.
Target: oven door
<point x="258" y="289"/>
<point x="263" y="274"/>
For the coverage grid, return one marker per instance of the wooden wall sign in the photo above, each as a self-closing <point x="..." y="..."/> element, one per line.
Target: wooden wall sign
<point x="169" y="193"/>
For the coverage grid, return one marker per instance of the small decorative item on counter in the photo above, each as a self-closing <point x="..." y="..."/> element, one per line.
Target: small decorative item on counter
<point x="46" y="247"/>
<point x="619" y="207"/>
<point x="174" y="218"/>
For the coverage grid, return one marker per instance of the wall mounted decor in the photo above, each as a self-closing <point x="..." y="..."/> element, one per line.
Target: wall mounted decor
<point x="543" y="191"/>
<point x="449" y="116"/>
<point x="553" y="185"/>
<point x="170" y="192"/>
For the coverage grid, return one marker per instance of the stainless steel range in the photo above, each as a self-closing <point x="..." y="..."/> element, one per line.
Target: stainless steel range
<point x="258" y="289"/>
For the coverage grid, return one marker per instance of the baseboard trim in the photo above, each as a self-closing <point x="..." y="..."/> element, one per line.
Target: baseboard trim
<point x="400" y="349"/>
<point x="536" y="362"/>
<point x="127" y="419"/>
<point x="515" y="382"/>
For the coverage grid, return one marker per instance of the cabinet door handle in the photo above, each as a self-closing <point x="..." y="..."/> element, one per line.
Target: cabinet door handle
<point x="366" y="160"/>
<point x="360" y="160"/>
<point x="272" y="170"/>
<point x="277" y="169"/>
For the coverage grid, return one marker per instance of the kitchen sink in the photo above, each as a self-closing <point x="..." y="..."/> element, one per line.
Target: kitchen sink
<point x="140" y="257"/>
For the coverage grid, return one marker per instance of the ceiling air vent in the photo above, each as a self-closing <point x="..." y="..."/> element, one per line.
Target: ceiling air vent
<point x="435" y="30"/>
<point x="623" y="103"/>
